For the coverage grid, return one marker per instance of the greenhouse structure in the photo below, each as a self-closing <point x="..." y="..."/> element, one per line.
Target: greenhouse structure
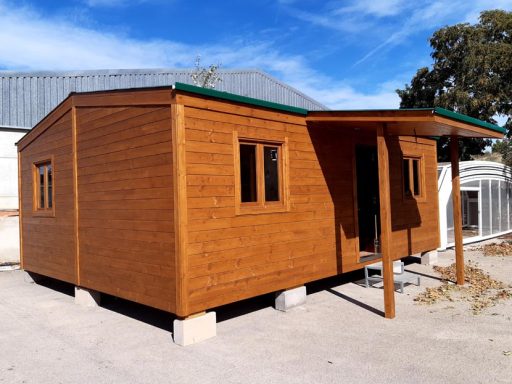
<point x="486" y="199"/>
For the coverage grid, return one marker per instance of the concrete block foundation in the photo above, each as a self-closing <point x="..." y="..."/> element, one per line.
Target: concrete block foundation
<point x="195" y="329"/>
<point x="87" y="297"/>
<point x="290" y="298"/>
<point x="429" y="258"/>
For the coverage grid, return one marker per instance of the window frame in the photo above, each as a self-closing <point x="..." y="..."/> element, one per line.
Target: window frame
<point x="261" y="205"/>
<point x="421" y="177"/>
<point x="45" y="211"/>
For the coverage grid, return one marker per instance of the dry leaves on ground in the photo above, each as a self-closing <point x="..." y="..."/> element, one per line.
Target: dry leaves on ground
<point x="498" y="249"/>
<point x="480" y="290"/>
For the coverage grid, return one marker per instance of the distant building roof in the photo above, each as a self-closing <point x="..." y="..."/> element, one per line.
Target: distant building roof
<point x="26" y="97"/>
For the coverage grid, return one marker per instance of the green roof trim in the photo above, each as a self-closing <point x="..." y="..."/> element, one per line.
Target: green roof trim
<point x="467" y="119"/>
<point x="301" y="111"/>
<point x="239" y="99"/>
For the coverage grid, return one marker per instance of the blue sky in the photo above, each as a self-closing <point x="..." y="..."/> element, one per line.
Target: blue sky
<point x="346" y="54"/>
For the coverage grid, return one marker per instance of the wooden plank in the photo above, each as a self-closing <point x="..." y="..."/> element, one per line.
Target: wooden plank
<point x="123" y="98"/>
<point x="118" y="185"/>
<point x="180" y="207"/>
<point x="45" y="123"/>
<point x="128" y="154"/>
<point x="127" y="174"/>
<point x="75" y="194"/>
<point x="128" y="130"/>
<point x="20" y="209"/>
<point x="385" y="223"/>
<point x="130" y="164"/>
<point x="247" y="112"/>
<point x="457" y="210"/>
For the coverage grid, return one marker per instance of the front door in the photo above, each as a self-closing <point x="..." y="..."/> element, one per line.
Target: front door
<point x="367" y="171"/>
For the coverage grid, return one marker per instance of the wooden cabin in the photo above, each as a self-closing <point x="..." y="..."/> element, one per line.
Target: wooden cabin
<point x="185" y="199"/>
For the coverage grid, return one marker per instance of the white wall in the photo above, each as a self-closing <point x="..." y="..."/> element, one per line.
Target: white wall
<point x="9" y="169"/>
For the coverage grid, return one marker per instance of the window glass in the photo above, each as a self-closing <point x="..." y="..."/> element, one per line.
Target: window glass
<point x="41" y="187"/>
<point x="449" y="220"/>
<point x="271" y="169"/>
<point x="503" y="206"/>
<point x="472" y="184"/>
<point x="50" y="185"/>
<point x="412" y="177"/>
<point x="248" y="173"/>
<point x="486" y="208"/>
<point x="407" y="178"/>
<point x="495" y="204"/>
<point x="416" y="177"/>
<point x="509" y="188"/>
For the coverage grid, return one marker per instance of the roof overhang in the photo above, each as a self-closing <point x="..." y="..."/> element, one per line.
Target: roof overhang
<point x="425" y="122"/>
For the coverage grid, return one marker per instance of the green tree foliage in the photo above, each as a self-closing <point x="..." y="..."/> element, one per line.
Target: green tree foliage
<point x="471" y="74"/>
<point x="504" y="148"/>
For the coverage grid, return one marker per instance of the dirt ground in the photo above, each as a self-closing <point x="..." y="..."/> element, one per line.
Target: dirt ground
<point x="339" y="336"/>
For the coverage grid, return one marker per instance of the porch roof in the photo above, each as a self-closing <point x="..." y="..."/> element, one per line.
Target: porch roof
<point x="426" y="122"/>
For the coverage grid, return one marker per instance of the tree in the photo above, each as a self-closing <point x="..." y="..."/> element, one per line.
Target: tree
<point x="205" y="77"/>
<point x="471" y="74"/>
<point x="504" y="148"/>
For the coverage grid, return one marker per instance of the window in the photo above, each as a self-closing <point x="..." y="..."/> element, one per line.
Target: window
<point x="260" y="176"/>
<point x="412" y="177"/>
<point x="43" y="186"/>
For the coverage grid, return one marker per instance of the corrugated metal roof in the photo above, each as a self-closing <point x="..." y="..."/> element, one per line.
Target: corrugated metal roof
<point x="26" y="97"/>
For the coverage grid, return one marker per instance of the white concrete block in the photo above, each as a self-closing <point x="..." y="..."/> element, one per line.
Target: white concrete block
<point x="87" y="297"/>
<point x="290" y="298"/>
<point x="195" y="329"/>
<point x="429" y="258"/>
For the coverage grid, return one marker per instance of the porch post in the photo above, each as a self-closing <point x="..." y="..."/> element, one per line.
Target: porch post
<point x="457" y="213"/>
<point x="385" y="223"/>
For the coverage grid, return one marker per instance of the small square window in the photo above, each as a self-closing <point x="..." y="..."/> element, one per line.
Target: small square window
<point x="260" y="176"/>
<point x="43" y="186"/>
<point x="412" y="177"/>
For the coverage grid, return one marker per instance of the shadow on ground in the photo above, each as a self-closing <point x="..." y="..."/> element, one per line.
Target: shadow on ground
<point x="164" y="320"/>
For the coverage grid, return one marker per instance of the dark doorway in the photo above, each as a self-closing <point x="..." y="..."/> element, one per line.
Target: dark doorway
<point x="367" y="173"/>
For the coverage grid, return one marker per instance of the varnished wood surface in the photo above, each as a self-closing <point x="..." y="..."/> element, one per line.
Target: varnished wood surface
<point x="180" y="211"/>
<point x="125" y="189"/>
<point x="150" y="202"/>
<point x="48" y="243"/>
<point x="457" y="210"/>
<point x="385" y="223"/>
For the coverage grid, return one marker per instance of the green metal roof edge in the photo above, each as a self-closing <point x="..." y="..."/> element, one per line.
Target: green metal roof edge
<point x="468" y="119"/>
<point x="237" y="98"/>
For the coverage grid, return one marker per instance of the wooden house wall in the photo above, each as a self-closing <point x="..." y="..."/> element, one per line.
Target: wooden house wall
<point x="125" y="221"/>
<point x="415" y="222"/>
<point x="231" y="257"/>
<point x="49" y="242"/>
<point x="125" y="200"/>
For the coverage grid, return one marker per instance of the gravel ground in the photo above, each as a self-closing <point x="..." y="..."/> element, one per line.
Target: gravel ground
<point x="339" y="336"/>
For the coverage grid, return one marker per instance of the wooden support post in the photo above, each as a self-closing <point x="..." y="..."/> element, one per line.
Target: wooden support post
<point x="457" y="211"/>
<point x="180" y="207"/>
<point x="385" y="223"/>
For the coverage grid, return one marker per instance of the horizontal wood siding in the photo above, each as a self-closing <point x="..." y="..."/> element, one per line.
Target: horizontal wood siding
<point x="49" y="242"/>
<point x="233" y="257"/>
<point x="415" y="222"/>
<point x="125" y="199"/>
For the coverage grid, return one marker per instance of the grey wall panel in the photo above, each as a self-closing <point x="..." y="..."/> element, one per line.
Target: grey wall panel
<point x="25" y="98"/>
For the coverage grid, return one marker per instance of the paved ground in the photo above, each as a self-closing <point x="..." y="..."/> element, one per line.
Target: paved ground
<point x="338" y="337"/>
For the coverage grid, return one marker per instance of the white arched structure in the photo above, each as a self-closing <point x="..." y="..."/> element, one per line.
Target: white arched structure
<point x="486" y="199"/>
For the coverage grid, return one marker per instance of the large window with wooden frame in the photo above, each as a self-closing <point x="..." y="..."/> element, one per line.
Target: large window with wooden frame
<point x="260" y="182"/>
<point x="43" y="187"/>
<point x="413" y="178"/>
